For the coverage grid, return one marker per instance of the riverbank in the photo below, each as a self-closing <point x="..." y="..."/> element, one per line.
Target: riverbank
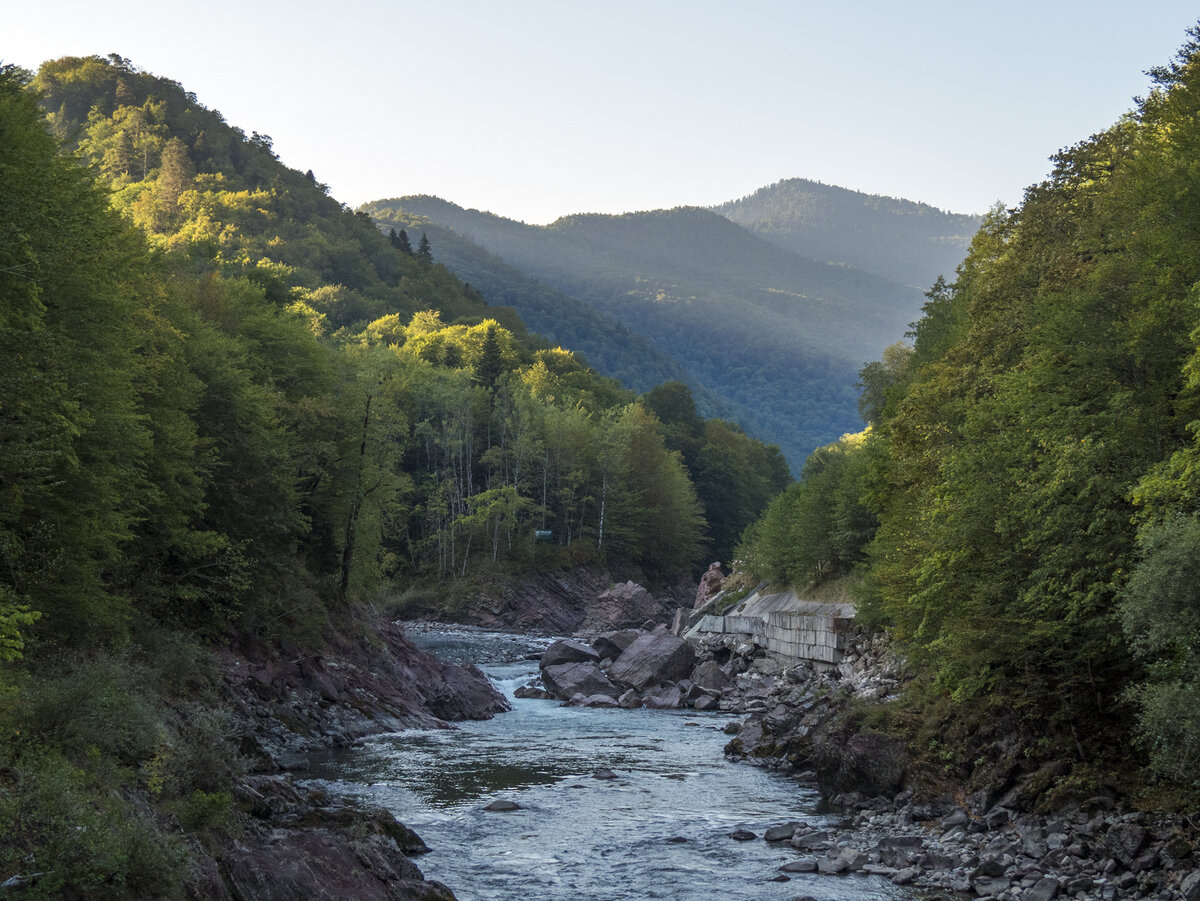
<point x="901" y="820"/>
<point x="902" y="823"/>
<point x="285" y="840"/>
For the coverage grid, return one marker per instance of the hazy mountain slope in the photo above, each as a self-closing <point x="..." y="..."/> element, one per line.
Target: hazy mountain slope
<point x="902" y="240"/>
<point x="779" y="336"/>
<point x="607" y="345"/>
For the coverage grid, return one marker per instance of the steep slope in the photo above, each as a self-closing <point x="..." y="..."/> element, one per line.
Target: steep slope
<point x="780" y="337"/>
<point x="606" y="344"/>
<point x="909" y="242"/>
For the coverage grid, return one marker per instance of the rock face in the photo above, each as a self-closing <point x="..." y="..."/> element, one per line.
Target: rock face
<point x="624" y="606"/>
<point x="297" y="842"/>
<point x="710" y="584"/>
<point x="653" y="658"/>
<point x="558" y="603"/>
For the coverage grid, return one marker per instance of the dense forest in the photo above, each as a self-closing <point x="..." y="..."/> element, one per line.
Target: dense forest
<point x="1024" y="510"/>
<point x="767" y="337"/>
<point x="233" y="410"/>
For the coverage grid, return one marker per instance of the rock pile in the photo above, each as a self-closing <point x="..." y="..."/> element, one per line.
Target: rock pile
<point x="1088" y="853"/>
<point x="630" y="668"/>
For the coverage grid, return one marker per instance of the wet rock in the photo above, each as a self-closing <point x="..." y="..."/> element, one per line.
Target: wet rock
<point x="663" y="699"/>
<point x="782" y="833"/>
<point x="742" y="835"/>
<point x="653" y="658"/>
<point x="597" y="700"/>
<point x="604" y="773"/>
<point x="568" y="679"/>
<point x="534" y="692"/>
<point x="800" y="865"/>
<point x="567" y="650"/>
<point x="502" y="806"/>
<point x="630" y="700"/>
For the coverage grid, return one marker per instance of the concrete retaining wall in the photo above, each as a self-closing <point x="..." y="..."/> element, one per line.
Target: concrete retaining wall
<point x="817" y="634"/>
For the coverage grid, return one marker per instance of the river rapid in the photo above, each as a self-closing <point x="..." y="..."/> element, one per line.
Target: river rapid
<point x="660" y="829"/>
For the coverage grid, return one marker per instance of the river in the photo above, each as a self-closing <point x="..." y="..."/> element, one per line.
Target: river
<point x="660" y="829"/>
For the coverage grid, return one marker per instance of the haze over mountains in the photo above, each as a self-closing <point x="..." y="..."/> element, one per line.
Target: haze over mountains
<point x="766" y="306"/>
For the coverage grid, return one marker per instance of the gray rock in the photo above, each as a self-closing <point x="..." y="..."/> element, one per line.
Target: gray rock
<point x="653" y="658"/>
<point x="813" y="838"/>
<point x="613" y="644"/>
<point x="567" y="679"/>
<point x="630" y="700"/>
<point x="567" y="650"/>
<point x="905" y="876"/>
<point x="1190" y="887"/>
<point x="663" y="699"/>
<point x="1125" y="840"/>
<point x="1045" y="889"/>
<point x="742" y="835"/>
<point x="987" y="886"/>
<point x="782" y="833"/>
<point x="800" y="865"/>
<point x="502" y="806"/>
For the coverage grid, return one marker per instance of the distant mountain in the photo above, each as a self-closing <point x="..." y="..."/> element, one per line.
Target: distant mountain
<point x="909" y="242"/>
<point x="605" y="343"/>
<point x="778" y="336"/>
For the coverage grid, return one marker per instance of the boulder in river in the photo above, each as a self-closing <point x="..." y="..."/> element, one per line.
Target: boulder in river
<point x="568" y="679"/>
<point x="612" y="645"/>
<point x="567" y="650"/>
<point x="654" y="658"/>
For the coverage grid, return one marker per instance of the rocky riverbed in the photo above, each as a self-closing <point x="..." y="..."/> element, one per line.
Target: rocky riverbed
<point x="792" y="720"/>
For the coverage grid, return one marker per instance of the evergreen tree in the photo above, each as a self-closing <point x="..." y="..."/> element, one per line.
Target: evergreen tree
<point x="424" y="252"/>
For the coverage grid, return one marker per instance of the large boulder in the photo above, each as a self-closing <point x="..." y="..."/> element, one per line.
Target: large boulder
<point x="654" y="658"/>
<point x="624" y="606"/>
<point x="567" y="650"/>
<point x="569" y="679"/>
<point x="612" y="645"/>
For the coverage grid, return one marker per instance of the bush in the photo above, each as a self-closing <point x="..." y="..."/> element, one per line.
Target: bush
<point x="79" y="840"/>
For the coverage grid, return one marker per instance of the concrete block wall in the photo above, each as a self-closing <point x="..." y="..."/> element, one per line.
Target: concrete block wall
<point x="819" y="637"/>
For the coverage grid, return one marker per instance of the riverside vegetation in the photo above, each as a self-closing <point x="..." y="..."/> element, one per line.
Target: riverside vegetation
<point x="231" y="413"/>
<point x="1023" y="512"/>
<point x="234" y="411"/>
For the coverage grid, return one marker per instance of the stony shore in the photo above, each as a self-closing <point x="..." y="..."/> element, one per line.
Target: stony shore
<point x="988" y="845"/>
<point x="293" y="841"/>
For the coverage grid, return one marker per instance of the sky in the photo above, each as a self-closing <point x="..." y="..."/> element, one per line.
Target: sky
<point x="535" y="109"/>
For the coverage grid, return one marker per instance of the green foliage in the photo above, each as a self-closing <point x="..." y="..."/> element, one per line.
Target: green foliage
<point x="764" y="337"/>
<point x="1045" y="411"/>
<point x="818" y="527"/>
<point x="77" y="839"/>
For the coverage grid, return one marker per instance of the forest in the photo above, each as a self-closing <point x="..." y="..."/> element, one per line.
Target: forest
<point x="765" y="336"/>
<point x="1023" y="511"/>
<point x="235" y="411"/>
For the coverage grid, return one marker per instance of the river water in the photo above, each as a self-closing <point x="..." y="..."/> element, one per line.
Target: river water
<point x="660" y="829"/>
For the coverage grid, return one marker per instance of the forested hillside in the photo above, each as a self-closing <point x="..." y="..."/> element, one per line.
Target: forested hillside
<point x="1025" y="510"/>
<point x="908" y="242"/>
<point x="232" y="411"/>
<point x="777" y="336"/>
<point x="608" y="346"/>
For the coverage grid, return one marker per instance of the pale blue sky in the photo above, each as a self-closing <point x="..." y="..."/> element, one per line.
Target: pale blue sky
<point x="538" y="108"/>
